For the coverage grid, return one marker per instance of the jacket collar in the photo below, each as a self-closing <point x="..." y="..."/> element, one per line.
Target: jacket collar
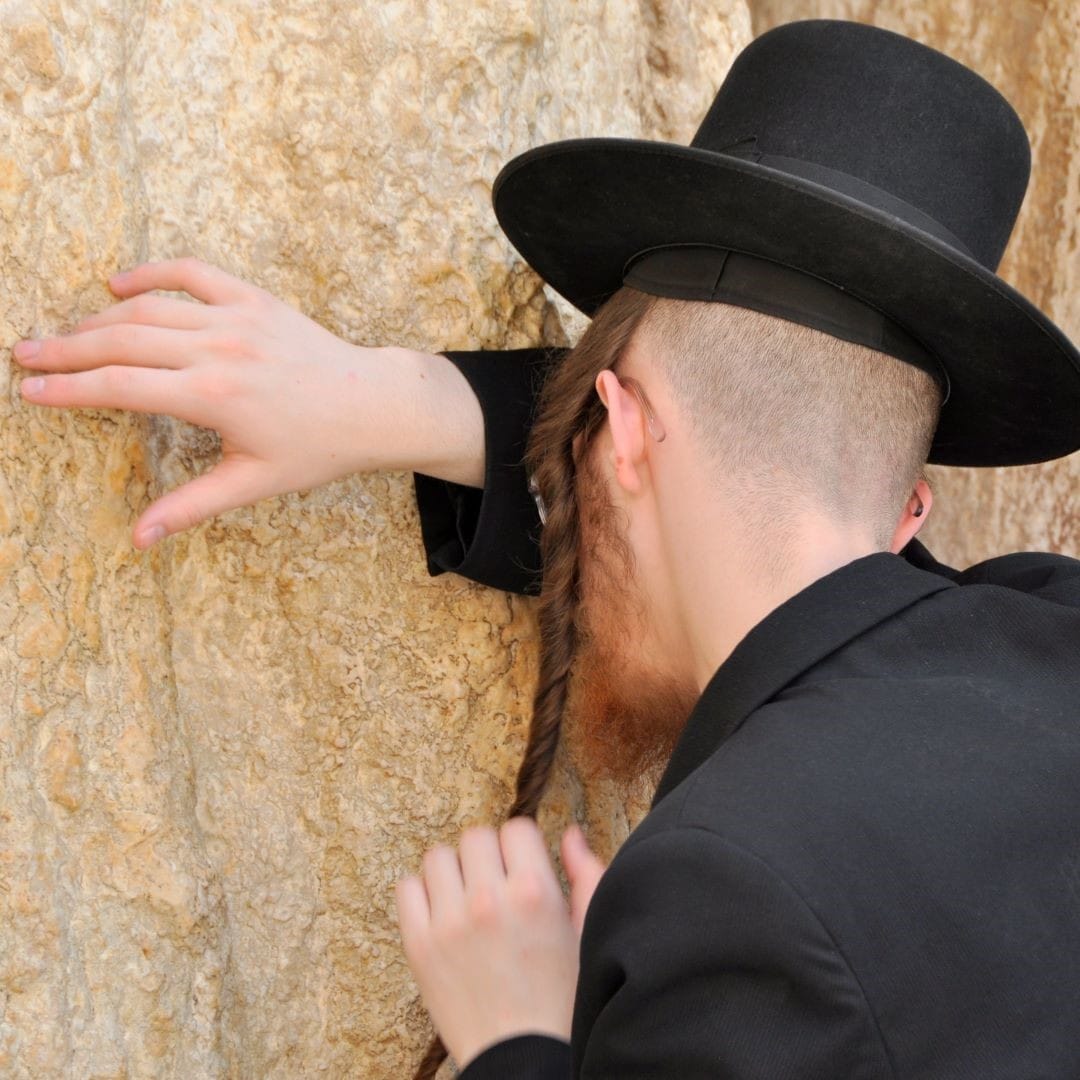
<point x="790" y="640"/>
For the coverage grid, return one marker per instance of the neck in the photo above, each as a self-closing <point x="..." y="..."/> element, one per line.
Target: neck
<point x="721" y="590"/>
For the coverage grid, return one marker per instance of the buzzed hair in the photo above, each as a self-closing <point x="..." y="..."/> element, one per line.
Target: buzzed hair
<point x="790" y="414"/>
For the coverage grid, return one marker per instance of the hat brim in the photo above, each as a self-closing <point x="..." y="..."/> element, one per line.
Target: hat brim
<point x="577" y="210"/>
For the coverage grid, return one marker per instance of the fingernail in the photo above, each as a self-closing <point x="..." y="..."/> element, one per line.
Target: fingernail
<point x="152" y="536"/>
<point x="24" y="350"/>
<point x="32" y="387"/>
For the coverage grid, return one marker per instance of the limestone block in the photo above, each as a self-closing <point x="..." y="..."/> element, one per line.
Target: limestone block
<point x="217" y="758"/>
<point x="1029" y="50"/>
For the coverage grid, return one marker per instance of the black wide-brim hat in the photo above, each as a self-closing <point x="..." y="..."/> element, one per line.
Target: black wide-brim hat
<point x="856" y="156"/>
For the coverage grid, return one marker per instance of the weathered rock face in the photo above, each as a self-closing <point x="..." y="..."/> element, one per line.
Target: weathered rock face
<point x="217" y="758"/>
<point x="1029" y="50"/>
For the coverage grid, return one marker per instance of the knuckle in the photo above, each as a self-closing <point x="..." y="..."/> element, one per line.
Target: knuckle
<point x="114" y="378"/>
<point x="143" y="307"/>
<point x="233" y="345"/>
<point x="485" y="908"/>
<point x="530" y="891"/>
<point x="121" y="338"/>
<point x="258" y="300"/>
<point x="453" y="929"/>
<point x="212" y="384"/>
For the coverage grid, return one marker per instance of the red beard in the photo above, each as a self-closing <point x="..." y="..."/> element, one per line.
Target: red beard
<point x="625" y="713"/>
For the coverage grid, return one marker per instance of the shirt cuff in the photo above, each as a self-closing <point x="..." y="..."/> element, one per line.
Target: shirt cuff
<point x="523" y="1057"/>
<point x="491" y="535"/>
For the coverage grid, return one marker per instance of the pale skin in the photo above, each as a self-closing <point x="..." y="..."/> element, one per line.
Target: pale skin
<point x="295" y="405"/>
<point x="695" y="561"/>
<point x="491" y="940"/>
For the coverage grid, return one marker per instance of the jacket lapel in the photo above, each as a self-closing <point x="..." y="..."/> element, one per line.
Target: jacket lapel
<point x="791" y="640"/>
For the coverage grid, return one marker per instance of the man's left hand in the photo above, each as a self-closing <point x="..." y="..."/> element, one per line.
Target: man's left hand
<point x="490" y="938"/>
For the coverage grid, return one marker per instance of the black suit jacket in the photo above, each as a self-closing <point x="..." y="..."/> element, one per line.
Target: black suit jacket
<point x="863" y="860"/>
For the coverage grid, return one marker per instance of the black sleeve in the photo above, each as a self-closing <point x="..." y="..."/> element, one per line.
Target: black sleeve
<point x="697" y="959"/>
<point x="491" y="534"/>
<point x="530" y="1057"/>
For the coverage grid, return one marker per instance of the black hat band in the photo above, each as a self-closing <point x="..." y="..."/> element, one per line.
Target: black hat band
<point x="849" y="185"/>
<point x="704" y="272"/>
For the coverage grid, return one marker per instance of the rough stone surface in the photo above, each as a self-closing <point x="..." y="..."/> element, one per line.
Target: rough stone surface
<point x="1030" y="50"/>
<point x="217" y="758"/>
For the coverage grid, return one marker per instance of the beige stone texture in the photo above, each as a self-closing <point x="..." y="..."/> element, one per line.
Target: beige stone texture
<point x="1029" y="50"/>
<point x="217" y="758"/>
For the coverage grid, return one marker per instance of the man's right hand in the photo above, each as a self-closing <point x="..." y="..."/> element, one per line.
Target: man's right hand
<point x="295" y="406"/>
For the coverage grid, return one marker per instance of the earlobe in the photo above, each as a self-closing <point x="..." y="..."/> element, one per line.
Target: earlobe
<point x="923" y="498"/>
<point x="916" y="511"/>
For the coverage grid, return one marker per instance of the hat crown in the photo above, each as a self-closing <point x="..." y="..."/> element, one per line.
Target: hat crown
<point x="883" y="118"/>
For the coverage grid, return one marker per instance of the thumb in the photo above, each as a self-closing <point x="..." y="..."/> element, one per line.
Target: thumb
<point x="583" y="869"/>
<point x="232" y="482"/>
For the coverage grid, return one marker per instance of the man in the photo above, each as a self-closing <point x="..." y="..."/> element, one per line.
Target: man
<point x="861" y="857"/>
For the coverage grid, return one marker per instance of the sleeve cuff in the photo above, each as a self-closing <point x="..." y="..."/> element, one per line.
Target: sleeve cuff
<point x="491" y="535"/>
<point x="524" y="1057"/>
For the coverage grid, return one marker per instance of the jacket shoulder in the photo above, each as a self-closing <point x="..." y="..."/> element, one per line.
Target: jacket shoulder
<point x="700" y="959"/>
<point x="1038" y="573"/>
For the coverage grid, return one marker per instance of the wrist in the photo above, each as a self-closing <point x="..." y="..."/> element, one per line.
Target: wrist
<point x="447" y="439"/>
<point x="406" y="410"/>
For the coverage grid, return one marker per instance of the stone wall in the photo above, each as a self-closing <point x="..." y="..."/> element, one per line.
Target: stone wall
<point x="217" y="758"/>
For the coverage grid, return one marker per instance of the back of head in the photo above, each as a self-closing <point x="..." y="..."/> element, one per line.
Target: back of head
<point x="792" y="418"/>
<point x="788" y="414"/>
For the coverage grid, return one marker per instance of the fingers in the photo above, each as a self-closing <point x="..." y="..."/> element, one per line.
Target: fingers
<point x="131" y="332"/>
<point x="201" y="280"/>
<point x="583" y="870"/>
<point x="149" y="310"/>
<point x="413" y="912"/>
<point x="125" y="343"/>
<point x="146" y="390"/>
<point x="523" y="846"/>
<point x="531" y="883"/>
<point x="229" y="484"/>
<point x="481" y="858"/>
<point x="488" y="867"/>
<point x="442" y="877"/>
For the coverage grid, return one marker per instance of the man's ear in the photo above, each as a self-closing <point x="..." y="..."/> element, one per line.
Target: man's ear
<point x="628" y="429"/>
<point x="916" y="511"/>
